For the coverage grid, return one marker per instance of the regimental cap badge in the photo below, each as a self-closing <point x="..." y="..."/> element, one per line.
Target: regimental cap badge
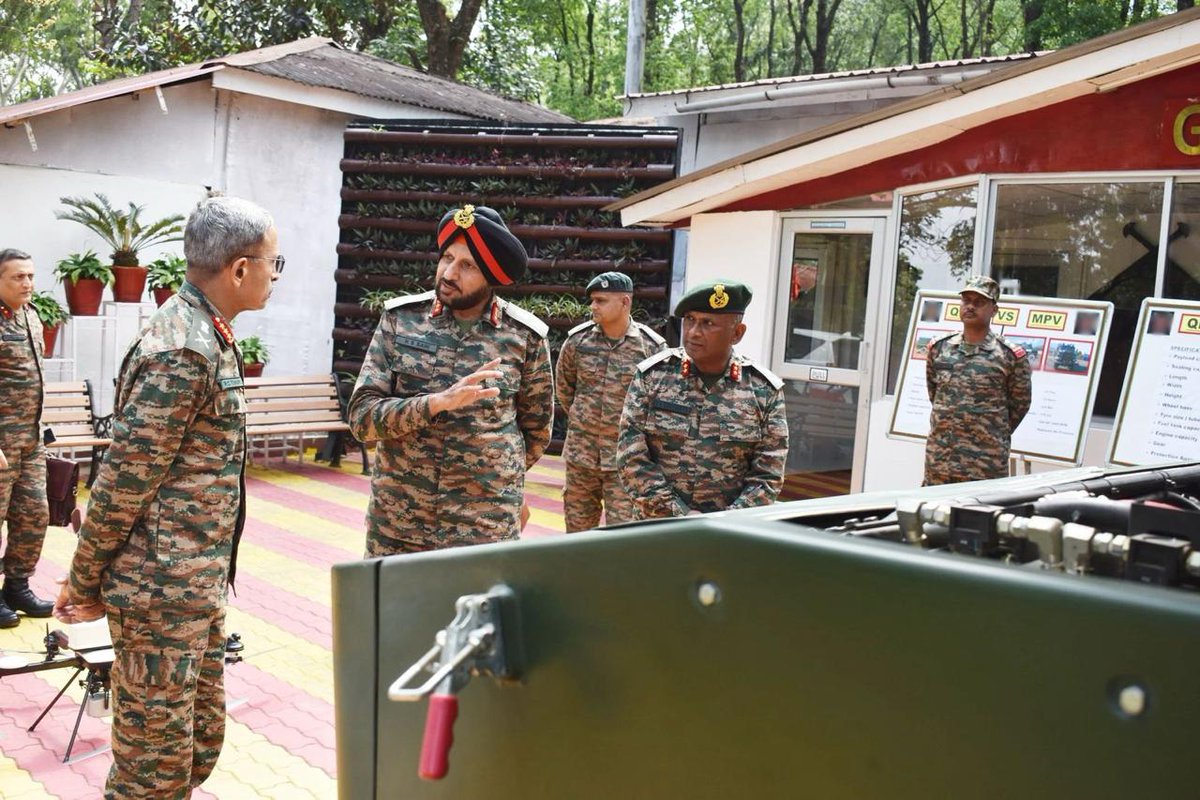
<point x="719" y="298"/>
<point x="465" y="216"/>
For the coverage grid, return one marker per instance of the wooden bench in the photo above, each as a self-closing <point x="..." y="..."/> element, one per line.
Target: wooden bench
<point x="68" y="411"/>
<point x="301" y="406"/>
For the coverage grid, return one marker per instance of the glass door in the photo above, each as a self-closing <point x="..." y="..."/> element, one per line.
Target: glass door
<point x="823" y="345"/>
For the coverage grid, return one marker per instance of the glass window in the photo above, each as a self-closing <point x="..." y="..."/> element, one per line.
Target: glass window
<point x="827" y="301"/>
<point x="1183" y="244"/>
<point x="937" y="238"/>
<point x="1094" y="241"/>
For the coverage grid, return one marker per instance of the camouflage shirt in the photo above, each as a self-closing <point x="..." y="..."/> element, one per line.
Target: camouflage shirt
<point x="166" y="510"/>
<point x="457" y="478"/>
<point x="590" y="381"/>
<point x="980" y="393"/>
<point x="21" y="347"/>
<point x="684" y="447"/>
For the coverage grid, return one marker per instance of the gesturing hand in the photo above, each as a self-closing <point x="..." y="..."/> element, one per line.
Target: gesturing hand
<point x="66" y="611"/>
<point x="468" y="390"/>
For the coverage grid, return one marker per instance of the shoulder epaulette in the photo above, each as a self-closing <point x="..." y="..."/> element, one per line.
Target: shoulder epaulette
<point x="651" y="333"/>
<point x="527" y="319"/>
<point x="1017" y="350"/>
<point x="408" y="299"/>
<point x="770" y="377"/>
<point x="583" y="326"/>
<point x="940" y="339"/>
<point x="658" y="358"/>
<point x="201" y="336"/>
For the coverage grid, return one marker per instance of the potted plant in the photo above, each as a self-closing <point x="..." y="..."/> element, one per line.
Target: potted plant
<point x="84" y="277"/>
<point x="126" y="234"/>
<point x="52" y="315"/>
<point x="165" y="276"/>
<point x="254" y="355"/>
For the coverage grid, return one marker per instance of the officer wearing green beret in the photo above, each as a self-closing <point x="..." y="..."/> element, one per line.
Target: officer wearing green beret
<point x="980" y="389"/>
<point x="595" y="365"/>
<point x="703" y="428"/>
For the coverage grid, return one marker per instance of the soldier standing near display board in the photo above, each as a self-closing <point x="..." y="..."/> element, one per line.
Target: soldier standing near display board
<point x="980" y="388"/>
<point x="703" y="428"/>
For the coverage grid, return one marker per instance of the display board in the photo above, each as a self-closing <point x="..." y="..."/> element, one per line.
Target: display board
<point x="1158" y="418"/>
<point x="1065" y="342"/>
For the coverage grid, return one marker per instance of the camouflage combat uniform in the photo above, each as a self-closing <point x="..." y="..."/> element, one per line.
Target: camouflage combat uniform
<point x="159" y="542"/>
<point x="458" y="478"/>
<point x="684" y="447"/>
<point x="591" y="379"/>
<point x="23" y="484"/>
<point x="980" y="393"/>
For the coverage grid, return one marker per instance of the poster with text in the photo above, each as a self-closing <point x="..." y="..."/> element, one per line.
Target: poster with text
<point x="1064" y="342"/>
<point x="1158" y="418"/>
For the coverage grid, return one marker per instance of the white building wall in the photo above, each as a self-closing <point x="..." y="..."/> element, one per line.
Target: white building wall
<point x="744" y="247"/>
<point x="281" y="155"/>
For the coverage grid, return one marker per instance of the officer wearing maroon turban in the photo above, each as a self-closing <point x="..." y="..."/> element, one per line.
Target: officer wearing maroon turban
<point x="457" y="392"/>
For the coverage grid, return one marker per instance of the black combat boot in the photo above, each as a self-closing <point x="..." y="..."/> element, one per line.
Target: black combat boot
<point x="18" y="597"/>
<point x="8" y="617"/>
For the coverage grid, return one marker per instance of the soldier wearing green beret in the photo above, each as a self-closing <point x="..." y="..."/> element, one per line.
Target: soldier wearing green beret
<point x="980" y="389"/>
<point x="595" y="365"/>
<point x="703" y="428"/>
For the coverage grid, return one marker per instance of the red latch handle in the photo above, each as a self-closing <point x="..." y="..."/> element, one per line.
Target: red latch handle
<point x="439" y="735"/>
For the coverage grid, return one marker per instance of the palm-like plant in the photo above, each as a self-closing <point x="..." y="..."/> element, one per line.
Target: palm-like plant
<point x="121" y="230"/>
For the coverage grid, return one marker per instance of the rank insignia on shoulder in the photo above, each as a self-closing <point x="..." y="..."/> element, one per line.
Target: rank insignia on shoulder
<point x="1018" y="351"/>
<point x="222" y="328"/>
<point x="735" y="372"/>
<point x="4" y="312"/>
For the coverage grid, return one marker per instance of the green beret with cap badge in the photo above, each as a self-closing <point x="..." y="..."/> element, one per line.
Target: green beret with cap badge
<point x="609" y="282"/>
<point x="720" y="296"/>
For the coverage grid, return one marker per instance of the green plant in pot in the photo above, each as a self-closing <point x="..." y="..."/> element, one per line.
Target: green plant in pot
<point x="84" y="277"/>
<point x="126" y="233"/>
<point x="165" y="276"/>
<point x="52" y="315"/>
<point x="255" y="355"/>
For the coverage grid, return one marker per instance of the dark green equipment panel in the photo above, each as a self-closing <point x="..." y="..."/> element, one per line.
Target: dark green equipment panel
<point x="830" y="668"/>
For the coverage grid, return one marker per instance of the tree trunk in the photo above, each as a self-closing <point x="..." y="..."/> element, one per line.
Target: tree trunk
<point x="446" y="39"/>
<point x="822" y="31"/>
<point x="590" y="89"/>
<point x="798" y="18"/>
<point x="771" y="41"/>
<point x="1184" y="5"/>
<point x="1031" y="14"/>
<point x="739" y="34"/>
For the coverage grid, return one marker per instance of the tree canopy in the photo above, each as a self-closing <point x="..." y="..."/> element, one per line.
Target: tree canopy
<point x="566" y="54"/>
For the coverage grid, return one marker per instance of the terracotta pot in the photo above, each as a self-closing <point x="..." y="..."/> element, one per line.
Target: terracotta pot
<point x="130" y="284"/>
<point x="83" y="296"/>
<point x="50" y="337"/>
<point x="162" y="295"/>
<point x="253" y="370"/>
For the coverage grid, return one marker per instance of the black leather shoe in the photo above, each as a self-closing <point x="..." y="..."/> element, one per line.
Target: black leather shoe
<point x="8" y="617"/>
<point x="18" y="597"/>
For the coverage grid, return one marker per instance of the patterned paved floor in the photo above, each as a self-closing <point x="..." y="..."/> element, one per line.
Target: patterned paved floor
<point x="280" y="737"/>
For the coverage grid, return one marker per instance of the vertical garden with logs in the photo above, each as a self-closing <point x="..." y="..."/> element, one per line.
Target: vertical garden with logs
<point x="549" y="183"/>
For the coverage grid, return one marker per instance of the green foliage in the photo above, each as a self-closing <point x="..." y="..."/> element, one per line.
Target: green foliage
<point x="79" y="266"/>
<point x="167" y="272"/>
<point x="49" y="310"/>
<point x="375" y="299"/>
<point x="123" y="231"/>
<point x="548" y="306"/>
<point x="253" y="350"/>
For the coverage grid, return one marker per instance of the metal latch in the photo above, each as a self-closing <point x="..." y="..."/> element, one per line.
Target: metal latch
<point x="480" y="640"/>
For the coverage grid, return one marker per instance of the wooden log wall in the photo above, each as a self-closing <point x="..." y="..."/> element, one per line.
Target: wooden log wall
<point x="549" y="183"/>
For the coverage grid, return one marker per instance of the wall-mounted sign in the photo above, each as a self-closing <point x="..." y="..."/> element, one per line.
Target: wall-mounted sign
<point x="1064" y="340"/>
<point x="1158" y="418"/>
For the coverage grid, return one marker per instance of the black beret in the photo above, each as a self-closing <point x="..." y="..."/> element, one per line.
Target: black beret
<point x="500" y="255"/>
<point x="609" y="282"/>
<point x="715" y="297"/>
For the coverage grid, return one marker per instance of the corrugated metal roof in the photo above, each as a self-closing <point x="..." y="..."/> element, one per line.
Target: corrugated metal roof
<point x="318" y="62"/>
<point x="850" y="73"/>
<point x="362" y="74"/>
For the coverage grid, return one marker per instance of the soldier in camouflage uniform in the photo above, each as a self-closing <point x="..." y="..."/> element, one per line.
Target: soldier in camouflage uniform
<point x="159" y="543"/>
<point x="703" y="428"/>
<point x="22" y="456"/>
<point x="456" y="388"/>
<point x="594" y="369"/>
<point x="980" y="388"/>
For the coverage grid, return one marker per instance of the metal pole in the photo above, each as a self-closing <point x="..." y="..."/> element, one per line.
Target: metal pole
<point x="635" y="49"/>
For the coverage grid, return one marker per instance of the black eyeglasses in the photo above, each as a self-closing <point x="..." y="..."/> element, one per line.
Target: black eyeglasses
<point x="279" y="261"/>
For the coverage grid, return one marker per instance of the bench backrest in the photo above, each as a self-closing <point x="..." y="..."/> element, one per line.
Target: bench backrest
<point x="292" y="399"/>
<point x="68" y="409"/>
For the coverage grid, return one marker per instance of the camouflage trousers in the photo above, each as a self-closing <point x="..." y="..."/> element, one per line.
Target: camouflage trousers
<point x="168" y="687"/>
<point x="585" y="489"/>
<point x="23" y="507"/>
